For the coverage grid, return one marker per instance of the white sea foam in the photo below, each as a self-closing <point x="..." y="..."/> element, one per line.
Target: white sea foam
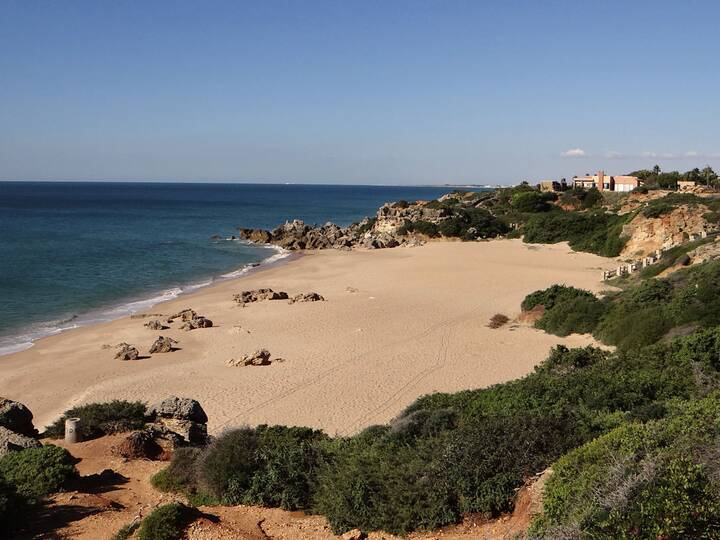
<point x="21" y="342"/>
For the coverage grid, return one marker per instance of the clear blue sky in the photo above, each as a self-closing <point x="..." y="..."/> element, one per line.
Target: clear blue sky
<point x="356" y="91"/>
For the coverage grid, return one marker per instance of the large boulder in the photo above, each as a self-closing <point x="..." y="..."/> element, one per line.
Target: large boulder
<point x="11" y="441"/>
<point x="16" y="417"/>
<point x="179" y="421"/>
<point x="180" y="408"/>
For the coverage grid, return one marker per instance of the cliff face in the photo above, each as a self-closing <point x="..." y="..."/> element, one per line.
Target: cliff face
<point x="645" y="235"/>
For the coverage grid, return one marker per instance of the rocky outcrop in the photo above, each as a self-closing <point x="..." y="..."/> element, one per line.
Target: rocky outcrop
<point x="384" y="230"/>
<point x="126" y="352"/>
<point x="174" y="422"/>
<point x="10" y="441"/>
<point x="162" y="345"/>
<point x="258" y="295"/>
<point x="175" y="417"/>
<point x="307" y="297"/>
<point x="258" y="358"/>
<point x="16" y="417"/>
<point x="647" y="234"/>
<point x="17" y="431"/>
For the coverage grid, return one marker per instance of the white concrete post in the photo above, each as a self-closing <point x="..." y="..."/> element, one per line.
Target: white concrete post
<point x="72" y="430"/>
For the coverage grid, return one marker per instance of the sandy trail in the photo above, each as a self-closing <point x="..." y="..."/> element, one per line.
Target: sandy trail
<point x="415" y="325"/>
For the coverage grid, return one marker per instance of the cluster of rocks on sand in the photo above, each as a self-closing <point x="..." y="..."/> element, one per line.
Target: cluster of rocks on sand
<point x="173" y="423"/>
<point x="258" y="295"/>
<point x="17" y="431"/>
<point x="190" y="321"/>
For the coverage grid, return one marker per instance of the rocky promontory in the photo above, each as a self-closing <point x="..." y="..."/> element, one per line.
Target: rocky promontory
<point x="395" y="224"/>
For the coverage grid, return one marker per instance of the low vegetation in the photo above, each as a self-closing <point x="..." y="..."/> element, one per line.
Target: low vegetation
<point x="97" y="419"/>
<point x="29" y="475"/>
<point x="166" y="522"/>
<point x="595" y="231"/>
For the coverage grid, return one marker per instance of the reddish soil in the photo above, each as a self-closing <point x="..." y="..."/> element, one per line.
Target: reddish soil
<point x="112" y="492"/>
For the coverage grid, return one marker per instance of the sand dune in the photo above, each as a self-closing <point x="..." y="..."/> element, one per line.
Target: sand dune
<point x="415" y="325"/>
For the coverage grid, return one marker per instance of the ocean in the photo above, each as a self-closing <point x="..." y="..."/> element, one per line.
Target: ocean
<point x="74" y="253"/>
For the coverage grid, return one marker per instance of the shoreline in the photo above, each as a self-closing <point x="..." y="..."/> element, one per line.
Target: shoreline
<point x="131" y="306"/>
<point x="415" y="325"/>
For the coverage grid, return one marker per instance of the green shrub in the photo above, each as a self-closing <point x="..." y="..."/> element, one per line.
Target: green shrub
<point x="12" y="507"/>
<point x="422" y="227"/>
<point x="232" y="457"/>
<point x="97" y="419"/>
<point x="530" y="202"/>
<point x="272" y="466"/>
<point x="578" y="316"/>
<point x="596" y="231"/>
<point x="377" y="482"/>
<point x="180" y="476"/>
<point x="36" y="472"/>
<point x="126" y="531"/>
<point x="166" y="522"/>
<point x="554" y="295"/>
<point x="639" y="481"/>
<point x="287" y="458"/>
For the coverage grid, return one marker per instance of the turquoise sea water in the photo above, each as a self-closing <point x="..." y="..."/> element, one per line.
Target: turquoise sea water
<point x="72" y="253"/>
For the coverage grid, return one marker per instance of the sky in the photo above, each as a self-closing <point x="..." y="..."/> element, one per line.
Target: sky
<point x="357" y="92"/>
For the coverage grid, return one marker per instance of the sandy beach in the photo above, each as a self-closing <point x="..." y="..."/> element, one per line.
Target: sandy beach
<point x="396" y="324"/>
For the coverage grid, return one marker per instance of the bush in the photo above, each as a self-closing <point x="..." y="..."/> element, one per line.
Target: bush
<point x="422" y="227"/>
<point x="36" y="472"/>
<point x="377" y="482"/>
<point x="530" y="202"/>
<point x="639" y="481"/>
<point x="596" y="232"/>
<point x="273" y="466"/>
<point x="181" y="475"/>
<point x="554" y="295"/>
<point x="498" y="320"/>
<point x="12" y="505"/>
<point x="166" y="522"/>
<point x="98" y="419"/>
<point x="573" y="316"/>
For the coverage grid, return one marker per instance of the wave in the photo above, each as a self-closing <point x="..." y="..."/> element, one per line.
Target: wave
<point x="25" y="340"/>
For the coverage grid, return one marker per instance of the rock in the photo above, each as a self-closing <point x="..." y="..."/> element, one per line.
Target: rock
<point x="184" y="315"/>
<point x="126" y="352"/>
<point x="258" y="358"/>
<point x="16" y="417"/>
<point x="178" y="421"/>
<point x="257" y="236"/>
<point x="307" y="297"/>
<point x="257" y="295"/>
<point x="11" y="441"/>
<point x="138" y="445"/>
<point x="162" y="345"/>
<point x="155" y="325"/>
<point x="178" y="408"/>
<point x="355" y="534"/>
<point x="198" y="322"/>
